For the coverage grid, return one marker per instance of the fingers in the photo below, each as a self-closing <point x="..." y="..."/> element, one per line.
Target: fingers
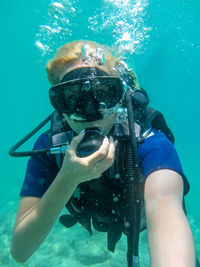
<point x="101" y="153"/>
<point x="100" y="160"/>
<point x="111" y="152"/>
<point x="75" y="142"/>
<point x="107" y="161"/>
<point x="91" y="167"/>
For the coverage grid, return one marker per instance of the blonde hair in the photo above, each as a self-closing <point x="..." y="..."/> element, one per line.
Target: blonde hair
<point x="70" y="54"/>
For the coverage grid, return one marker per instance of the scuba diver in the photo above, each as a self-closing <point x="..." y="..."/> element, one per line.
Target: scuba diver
<point x="109" y="158"/>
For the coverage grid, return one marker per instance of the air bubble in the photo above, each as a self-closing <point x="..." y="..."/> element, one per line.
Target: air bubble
<point x="127" y="224"/>
<point x="115" y="199"/>
<point x="119" y="24"/>
<point x="125" y="20"/>
<point x="42" y="181"/>
<point x="56" y="5"/>
<point x="43" y="48"/>
<point x="57" y="27"/>
<point x="117" y="176"/>
<point x="126" y="36"/>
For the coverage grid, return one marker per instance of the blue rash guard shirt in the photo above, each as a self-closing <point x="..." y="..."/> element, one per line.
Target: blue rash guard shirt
<point x="155" y="153"/>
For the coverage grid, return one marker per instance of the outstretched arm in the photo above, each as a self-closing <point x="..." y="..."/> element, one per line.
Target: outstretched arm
<point x="169" y="234"/>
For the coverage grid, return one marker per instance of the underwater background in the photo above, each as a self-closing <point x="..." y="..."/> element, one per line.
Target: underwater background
<point x="159" y="39"/>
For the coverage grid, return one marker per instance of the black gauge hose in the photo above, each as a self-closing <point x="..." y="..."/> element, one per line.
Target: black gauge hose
<point x="133" y="190"/>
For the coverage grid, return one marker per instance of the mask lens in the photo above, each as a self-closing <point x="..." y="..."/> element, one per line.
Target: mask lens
<point x="72" y="97"/>
<point x="71" y="94"/>
<point x="108" y="91"/>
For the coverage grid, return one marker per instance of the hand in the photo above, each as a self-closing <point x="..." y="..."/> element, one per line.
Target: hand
<point x="91" y="167"/>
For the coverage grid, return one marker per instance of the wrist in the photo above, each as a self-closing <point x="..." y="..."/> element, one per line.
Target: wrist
<point x="67" y="179"/>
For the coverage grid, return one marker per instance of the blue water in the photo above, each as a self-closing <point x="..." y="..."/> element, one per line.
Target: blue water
<point x="166" y="59"/>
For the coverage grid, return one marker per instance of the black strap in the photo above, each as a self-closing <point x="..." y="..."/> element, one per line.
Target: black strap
<point x="156" y="119"/>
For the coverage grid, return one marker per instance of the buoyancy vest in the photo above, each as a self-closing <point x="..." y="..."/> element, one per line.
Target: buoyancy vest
<point x="101" y="202"/>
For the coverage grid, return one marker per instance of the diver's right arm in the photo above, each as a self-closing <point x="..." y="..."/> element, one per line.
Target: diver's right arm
<point x="36" y="216"/>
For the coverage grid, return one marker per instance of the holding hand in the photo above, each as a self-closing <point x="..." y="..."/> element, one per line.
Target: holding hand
<point x="90" y="167"/>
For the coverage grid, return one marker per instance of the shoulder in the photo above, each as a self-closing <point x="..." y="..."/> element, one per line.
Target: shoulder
<point x="42" y="141"/>
<point x="45" y="159"/>
<point x="41" y="170"/>
<point x="156" y="140"/>
<point x="158" y="152"/>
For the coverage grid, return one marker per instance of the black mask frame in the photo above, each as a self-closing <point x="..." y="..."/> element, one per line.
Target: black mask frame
<point x="85" y="97"/>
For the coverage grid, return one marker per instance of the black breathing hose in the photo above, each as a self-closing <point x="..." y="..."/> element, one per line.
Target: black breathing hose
<point x="133" y="191"/>
<point x="12" y="151"/>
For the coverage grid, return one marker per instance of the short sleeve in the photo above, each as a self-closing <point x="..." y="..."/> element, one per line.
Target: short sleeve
<point x="156" y="153"/>
<point x="41" y="171"/>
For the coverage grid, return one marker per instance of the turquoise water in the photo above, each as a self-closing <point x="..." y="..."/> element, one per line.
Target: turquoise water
<point x="165" y="52"/>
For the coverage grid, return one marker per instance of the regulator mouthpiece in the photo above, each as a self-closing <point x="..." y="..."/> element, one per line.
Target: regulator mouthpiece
<point x="91" y="142"/>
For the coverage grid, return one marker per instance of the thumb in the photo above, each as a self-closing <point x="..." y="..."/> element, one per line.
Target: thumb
<point x="76" y="140"/>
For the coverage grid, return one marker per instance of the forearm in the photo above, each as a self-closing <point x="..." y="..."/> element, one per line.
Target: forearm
<point x="35" y="224"/>
<point x="169" y="234"/>
<point x="170" y="237"/>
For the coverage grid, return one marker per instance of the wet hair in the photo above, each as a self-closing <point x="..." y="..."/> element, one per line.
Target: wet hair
<point x="70" y="54"/>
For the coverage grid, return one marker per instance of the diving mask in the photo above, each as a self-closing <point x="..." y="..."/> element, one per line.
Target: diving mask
<point x="83" y="93"/>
